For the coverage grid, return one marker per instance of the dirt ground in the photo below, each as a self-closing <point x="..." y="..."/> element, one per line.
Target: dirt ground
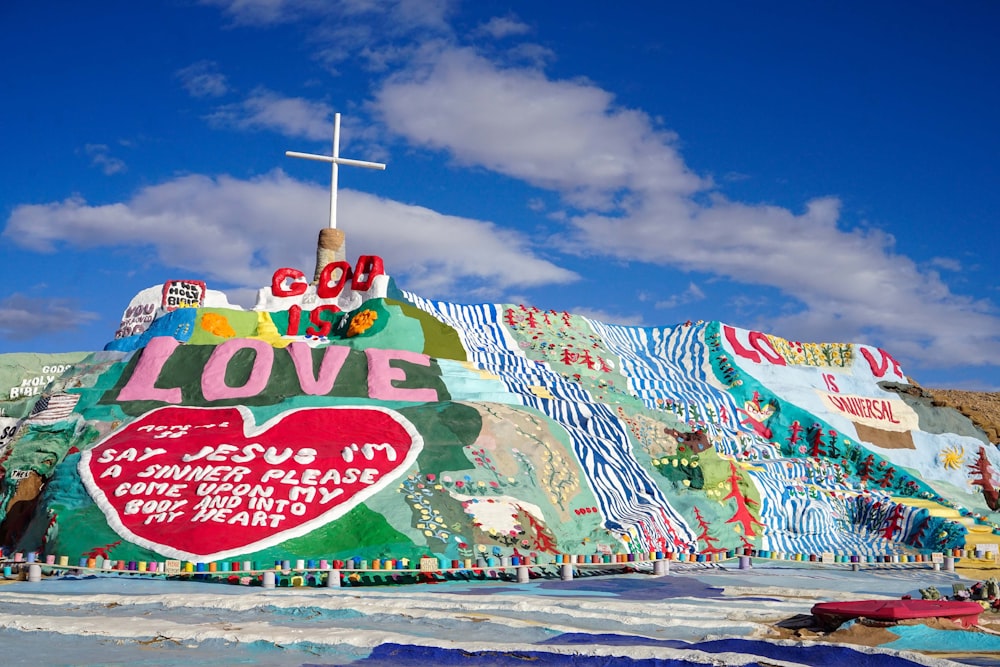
<point x="983" y="408"/>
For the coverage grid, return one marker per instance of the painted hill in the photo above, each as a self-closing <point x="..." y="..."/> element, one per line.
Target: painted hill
<point x="347" y="418"/>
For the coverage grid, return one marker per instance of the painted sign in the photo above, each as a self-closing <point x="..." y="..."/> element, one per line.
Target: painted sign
<point x="140" y="313"/>
<point x="204" y="484"/>
<point x="339" y="287"/>
<point x="383" y="382"/>
<point x="881" y="413"/>
<point x="8" y="427"/>
<point x="760" y="348"/>
<point x="183" y="294"/>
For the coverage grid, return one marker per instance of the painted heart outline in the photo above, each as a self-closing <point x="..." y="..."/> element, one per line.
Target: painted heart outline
<point x="161" y="479"/>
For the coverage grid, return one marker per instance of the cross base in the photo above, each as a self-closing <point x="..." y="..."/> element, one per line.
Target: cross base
<point x="330" y="247"/>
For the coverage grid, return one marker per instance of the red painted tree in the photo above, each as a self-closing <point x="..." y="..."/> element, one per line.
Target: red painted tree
<point x="743" y="515"/>
<point x="919" y="534"/>
<point x="892" y="525"/>
<point x="102" y="552"/>
<point x="793" y="437"/>
<point x="888" y="479"/>
<point x="541" y="538"/>
<point x="676" y="539"/>
<point x="984" y="476"/>
<point x="865" y="468"/>
<point x="704" y="536"/>
<point x="816" y="441"/>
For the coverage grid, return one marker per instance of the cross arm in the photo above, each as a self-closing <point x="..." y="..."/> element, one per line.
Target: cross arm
<point x="336" y="160"/>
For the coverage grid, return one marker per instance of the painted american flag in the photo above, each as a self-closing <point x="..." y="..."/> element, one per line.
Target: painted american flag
<point x="53" y="408"/>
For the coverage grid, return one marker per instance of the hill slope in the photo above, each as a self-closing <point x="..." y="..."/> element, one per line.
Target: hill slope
<point x="351" y="419"/>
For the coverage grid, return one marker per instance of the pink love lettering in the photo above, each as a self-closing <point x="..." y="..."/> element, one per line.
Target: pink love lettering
<point x="204" y="484"/>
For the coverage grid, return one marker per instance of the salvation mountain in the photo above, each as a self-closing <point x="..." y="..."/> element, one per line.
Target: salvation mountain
<point x="344" y="418"/>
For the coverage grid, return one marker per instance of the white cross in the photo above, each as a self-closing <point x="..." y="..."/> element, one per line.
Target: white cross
<point x="335" y="161"/>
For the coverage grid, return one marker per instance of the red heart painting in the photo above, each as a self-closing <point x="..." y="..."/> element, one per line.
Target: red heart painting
<point x="203" y="484"/>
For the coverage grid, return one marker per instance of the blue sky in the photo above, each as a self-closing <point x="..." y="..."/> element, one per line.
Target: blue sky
<point x="822" y="171"/>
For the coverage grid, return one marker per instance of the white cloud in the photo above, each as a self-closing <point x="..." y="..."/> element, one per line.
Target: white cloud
<point x="24" y="318"/>
<point x="532" y="55"/>
<point x="499" y="27"/>
<point x="562" y="135"/>
<point x="267" y="110"/>
<point x="692" y="294"/>
<point x="239" y="231"/>
<point x="100" y="157"/>
<point x="267" y="12"/>
<point x="946" y="263"/>
<point x="202" y="79"/>
<point x="636" y="201"/>
<point x="394" y="17"/>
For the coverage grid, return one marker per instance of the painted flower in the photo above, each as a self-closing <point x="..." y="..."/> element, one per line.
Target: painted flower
<point x="362" y="322"/>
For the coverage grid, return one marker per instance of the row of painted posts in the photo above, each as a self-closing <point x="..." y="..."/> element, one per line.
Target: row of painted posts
<point x="354" y="567"/>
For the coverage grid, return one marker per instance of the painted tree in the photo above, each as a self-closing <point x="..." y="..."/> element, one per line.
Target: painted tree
<point x="918" y="535"/>
<point x="704" y="536"/>
<point x="816" y="443"/>
<point x="888" y="479"/>
<point x="102" y="552"/>
<point x="743" y="516"/>
<point x="793" y="436"/>
<point x="540" y="537"/>
<point x="892" y="525"/>
<point x="866" y="468"/>
<point x="569" y="357"/>
<point x="984" y="476"/>
<point x="675" y="538"/>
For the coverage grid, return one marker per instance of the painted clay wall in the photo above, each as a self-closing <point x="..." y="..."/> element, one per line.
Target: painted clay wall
<point x="355" y="420"/>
